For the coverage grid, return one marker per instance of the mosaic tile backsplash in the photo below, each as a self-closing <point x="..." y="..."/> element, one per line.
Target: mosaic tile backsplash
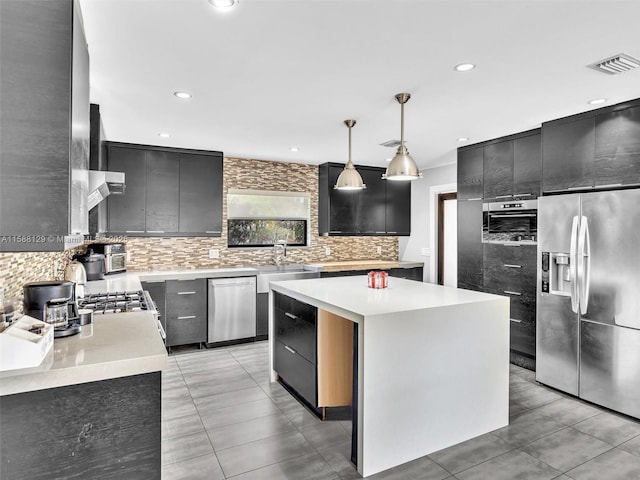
<point x="166" y="253"/>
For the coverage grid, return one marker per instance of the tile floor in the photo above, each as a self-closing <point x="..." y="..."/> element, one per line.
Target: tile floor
<point x="223" y="419"/>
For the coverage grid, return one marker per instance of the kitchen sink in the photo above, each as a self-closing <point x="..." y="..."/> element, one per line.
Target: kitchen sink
<point x="275" y="273"/>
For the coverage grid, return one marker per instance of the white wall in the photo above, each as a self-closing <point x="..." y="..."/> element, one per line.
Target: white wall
<point x="421" y="211"/>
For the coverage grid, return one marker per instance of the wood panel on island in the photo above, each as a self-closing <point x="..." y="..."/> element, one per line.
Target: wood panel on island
<point x="169" y="191"/>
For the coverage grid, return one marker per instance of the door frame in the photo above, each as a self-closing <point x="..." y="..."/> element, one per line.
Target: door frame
<point x="434" y="191"/>
<point x="442" y="197"/>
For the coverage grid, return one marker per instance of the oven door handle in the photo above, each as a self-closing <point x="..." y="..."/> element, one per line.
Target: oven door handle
<point x="515" y="215"/>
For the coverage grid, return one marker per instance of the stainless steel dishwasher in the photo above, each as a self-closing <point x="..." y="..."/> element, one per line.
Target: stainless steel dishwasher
<point x="232" y="309"/>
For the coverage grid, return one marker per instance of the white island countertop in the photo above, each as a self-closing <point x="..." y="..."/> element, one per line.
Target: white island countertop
<point x="432" y="363"/>
<point x="113" y="346"/>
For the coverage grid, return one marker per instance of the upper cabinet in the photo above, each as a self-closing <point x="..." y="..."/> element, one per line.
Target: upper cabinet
<point x="169" y="192"/>
<point x="512" y="167"/>
<point x="44" y="144"/>
<point x="383" y="208"/>
<point x="470" y="185"/>
<point x="617" y="153"/>
<point x="596" y="149"/>
<point x="568" y="146"/>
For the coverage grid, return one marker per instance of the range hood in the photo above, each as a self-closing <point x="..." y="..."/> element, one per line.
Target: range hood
<point x="102" y="184"/>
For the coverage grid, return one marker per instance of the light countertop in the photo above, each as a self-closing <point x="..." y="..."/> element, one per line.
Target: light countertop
<point x="113" y="346"/>
<point x="351" y="294"/>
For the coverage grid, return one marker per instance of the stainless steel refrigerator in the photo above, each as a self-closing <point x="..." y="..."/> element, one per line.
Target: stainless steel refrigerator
<point x="588" y="309"/>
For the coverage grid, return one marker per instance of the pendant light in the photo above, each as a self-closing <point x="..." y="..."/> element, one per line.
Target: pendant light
<point x="349" y="178"/>
<point x="402" y="166"/>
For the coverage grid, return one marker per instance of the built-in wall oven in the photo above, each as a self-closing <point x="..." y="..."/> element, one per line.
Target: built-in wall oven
<point x="510" y="221"/>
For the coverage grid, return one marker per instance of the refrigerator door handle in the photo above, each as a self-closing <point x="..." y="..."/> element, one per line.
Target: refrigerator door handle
<point x="573" y="274"/>
<point x="584" y="264"/>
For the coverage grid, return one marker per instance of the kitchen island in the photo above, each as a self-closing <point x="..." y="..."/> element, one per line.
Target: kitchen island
<point x="430" y="363"/>
<point x="91" y="409"/>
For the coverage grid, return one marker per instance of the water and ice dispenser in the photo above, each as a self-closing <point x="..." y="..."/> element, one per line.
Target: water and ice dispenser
<point x="556" y="273"/>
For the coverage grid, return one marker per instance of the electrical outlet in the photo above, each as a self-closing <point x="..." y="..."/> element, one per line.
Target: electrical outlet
<point x="425" y="251"/>
<point x="214" y="253"/>
<point x="327" y="250"/>
<point x="379" y="250"/>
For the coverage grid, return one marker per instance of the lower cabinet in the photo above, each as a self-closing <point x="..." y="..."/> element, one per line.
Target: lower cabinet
<point x="313" y="352"/>
<point x="186" y="312"/>
<point x="262" y="316"/>
<point x="510" y="270"/>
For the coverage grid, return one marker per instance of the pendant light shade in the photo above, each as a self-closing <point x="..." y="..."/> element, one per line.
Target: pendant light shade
<point x="402" y="167"/>
<point x="349" y="178"/>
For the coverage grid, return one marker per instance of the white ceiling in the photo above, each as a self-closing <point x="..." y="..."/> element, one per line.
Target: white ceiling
<point x="275" y="73"/>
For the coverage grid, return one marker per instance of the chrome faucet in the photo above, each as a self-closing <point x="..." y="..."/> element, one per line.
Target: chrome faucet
<point x="280" y="244"/>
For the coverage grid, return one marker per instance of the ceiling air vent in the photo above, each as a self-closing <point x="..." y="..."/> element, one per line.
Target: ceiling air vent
<point x="391" y="143"/>
<point x="617" y="64"/>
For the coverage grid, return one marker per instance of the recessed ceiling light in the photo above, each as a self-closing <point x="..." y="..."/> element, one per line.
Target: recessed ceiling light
<point x="164" y="135"/>
<point x="597" y="101"/>
<point x="223" y="4"/>
<point x="294" y="149"/>
<point x="463" y="139"/>
<point x="183" y="95"/>
<point x="464" y="67"/>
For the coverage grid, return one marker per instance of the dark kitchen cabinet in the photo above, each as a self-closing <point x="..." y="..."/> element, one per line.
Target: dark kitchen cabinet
<point x="371" y="212"/>
<point x="44" y="126"/>
<point x="498" y="170"/>
<point x="398" y="208"/>
<point x="527" y="166"/>
<point x="568" y="147"/>
<point x="512" y="167"/>
<point x="162" y="202"/>
<point x="382" y="208"/>
<point x="510" y="270"/>
<point x="294" y="353"/>
<point x="617" y="147"/>
<point x="470" y="275"/>
<point x="470" y="173"/>
<point x="169" y="192"/>
<point x="186" y="312"/>
<point x="127" y="213"/>
<point x="200" y="194"/>
<point x="262" y="316"/>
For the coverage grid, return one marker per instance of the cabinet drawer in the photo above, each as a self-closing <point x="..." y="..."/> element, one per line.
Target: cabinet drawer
<point x="523" y="338"/>
<point x="295" y="370"/>
<point x="186" y="298"/>
<point x="186" y="329"/>
<point x="295" y="307"/>
<point x="297" y="331"/>
<point x="522" y="255"/>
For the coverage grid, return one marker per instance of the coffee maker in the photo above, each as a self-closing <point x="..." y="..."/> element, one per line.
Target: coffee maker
<point x="53" y="302"/>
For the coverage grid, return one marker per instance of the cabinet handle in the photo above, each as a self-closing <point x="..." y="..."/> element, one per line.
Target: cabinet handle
<point x="134" y="231"/>
<point x="392" y="233"/>
<point x="212" y="231"/>
<point x="186" y="317"/>
<point x="504" y="196"/>
<point x="509" y="265"/>
<point x="473" y="199"/>
<point x="579" y="188"/>
<point x="509" y="292"/>
<point x="291" y="350"/>
<point x="186" y="293"/>
<point x="381" y="232"/>
<point x="291" y="316"/>
<point x="515" y="320"/>
<point x="155" y="231"/>
<point x="522" y="194"/>
<point x="511" y="245"/>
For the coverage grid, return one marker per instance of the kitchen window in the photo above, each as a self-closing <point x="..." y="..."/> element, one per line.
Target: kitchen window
<point x="258" y="218"/>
